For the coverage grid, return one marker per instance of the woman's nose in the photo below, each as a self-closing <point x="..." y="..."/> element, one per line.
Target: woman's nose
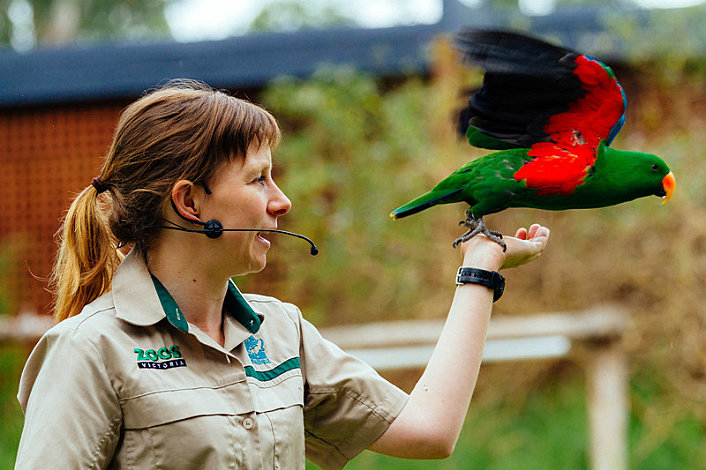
<point x="280" y="203"/>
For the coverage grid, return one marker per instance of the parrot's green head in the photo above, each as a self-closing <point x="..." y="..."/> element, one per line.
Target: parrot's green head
<point x="637" y="174"/>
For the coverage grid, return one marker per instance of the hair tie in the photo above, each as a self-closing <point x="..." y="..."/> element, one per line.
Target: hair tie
<point x="98" y="184"/>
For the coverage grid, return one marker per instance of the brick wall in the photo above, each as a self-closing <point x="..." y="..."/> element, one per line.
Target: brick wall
<point x="47" y="154"/>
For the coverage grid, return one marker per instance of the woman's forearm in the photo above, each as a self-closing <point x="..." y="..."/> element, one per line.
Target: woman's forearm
<point x="431" y="422"/>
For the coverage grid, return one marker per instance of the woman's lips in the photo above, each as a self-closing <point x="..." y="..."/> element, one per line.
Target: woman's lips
<point x="261" y="238"/>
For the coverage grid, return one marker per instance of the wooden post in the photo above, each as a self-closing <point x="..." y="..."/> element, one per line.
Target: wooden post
<point x="608" y="405"/>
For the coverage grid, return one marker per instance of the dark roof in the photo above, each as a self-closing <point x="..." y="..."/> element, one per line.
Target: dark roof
<point x="78" y="73"/>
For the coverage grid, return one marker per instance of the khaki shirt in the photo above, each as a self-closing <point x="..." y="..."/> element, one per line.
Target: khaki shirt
<point x="129" y="383"/>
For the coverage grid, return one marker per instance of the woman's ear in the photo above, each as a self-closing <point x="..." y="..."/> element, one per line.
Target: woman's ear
<point x="186" y="200"/>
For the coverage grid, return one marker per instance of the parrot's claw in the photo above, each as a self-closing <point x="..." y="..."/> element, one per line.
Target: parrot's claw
<point x="476" y="226"/>
<point x="470" y="222"/>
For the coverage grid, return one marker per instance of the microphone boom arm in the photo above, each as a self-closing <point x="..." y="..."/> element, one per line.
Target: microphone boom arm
<point x="214" y="231"/>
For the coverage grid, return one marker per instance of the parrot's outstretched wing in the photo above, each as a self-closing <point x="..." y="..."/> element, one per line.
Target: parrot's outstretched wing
<point x="560" y="103"/>
<point x="534" y="92"/>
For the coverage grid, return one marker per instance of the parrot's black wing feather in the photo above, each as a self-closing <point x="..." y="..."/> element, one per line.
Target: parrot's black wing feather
<point x="526" y="82"/>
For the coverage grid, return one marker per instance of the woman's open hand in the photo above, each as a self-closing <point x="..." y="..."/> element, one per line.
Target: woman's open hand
<point x="527" y="245"/>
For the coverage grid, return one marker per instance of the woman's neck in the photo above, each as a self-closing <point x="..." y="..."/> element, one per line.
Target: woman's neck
<point x="198" y="293"/>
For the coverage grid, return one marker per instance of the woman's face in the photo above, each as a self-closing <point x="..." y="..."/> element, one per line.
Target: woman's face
<point x="245" y="196"/>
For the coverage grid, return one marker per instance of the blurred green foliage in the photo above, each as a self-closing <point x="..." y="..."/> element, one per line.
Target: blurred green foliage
<point x="12" y="250"/>
<point x="674" y="36"/>
<point x="547" y="429"/>
<point x="12" y="359"/>
<point x="294" y="15"/>
<point x="61" y="21"/>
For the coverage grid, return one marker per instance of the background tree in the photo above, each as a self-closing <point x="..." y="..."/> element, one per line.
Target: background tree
<point x="294" y="15"/>
<point x="26" y="23"/>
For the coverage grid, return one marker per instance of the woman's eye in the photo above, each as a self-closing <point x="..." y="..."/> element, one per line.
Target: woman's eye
<point x="260" y="179"/>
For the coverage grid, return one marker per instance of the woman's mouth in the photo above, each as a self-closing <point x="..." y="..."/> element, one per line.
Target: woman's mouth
<point x="261" y="238"/>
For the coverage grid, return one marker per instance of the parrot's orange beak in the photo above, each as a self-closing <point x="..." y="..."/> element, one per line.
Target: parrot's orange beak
<point x="669" y="184"/>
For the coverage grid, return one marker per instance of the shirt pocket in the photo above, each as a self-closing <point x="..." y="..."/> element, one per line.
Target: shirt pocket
<point x="192" y="428"/>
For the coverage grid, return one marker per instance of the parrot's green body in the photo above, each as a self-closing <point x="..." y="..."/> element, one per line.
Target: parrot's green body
<point x="488" y="184"/>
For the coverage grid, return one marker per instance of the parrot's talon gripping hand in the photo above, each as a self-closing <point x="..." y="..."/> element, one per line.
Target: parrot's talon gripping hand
<point x="470" y="222"/>
<point x="477" y="226"/>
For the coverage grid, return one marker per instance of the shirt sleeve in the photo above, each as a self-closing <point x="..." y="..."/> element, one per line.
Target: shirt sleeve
<point x="72" y="413"/>
<point x="347" y="405"/>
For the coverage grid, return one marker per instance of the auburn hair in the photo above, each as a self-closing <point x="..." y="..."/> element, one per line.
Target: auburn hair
<point x="183" y="130"/>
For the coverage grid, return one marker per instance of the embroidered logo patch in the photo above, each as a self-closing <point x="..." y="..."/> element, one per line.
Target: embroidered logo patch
<point x="256" y="350"/>
<point x="162" y="358"/>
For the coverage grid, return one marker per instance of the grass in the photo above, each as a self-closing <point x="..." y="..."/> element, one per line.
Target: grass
<point x="546" y="432"/>
<point x="12" y="359"/>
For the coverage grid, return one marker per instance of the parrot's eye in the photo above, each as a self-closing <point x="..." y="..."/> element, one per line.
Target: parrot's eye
<point x="654" y="166"/>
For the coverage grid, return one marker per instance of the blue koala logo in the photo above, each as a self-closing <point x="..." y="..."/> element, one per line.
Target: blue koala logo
<point x="256" y="350"/>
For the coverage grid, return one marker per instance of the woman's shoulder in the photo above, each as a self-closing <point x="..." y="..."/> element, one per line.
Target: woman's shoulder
<point x="266" y="304"/>
<point x="94" y="317"/>
<point x="265" y="300"/>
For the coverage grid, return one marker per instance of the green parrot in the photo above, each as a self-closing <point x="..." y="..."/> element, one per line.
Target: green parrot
<point x="552" y="113"/>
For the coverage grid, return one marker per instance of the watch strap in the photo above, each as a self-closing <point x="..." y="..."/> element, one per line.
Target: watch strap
<point x="490" y="279"/>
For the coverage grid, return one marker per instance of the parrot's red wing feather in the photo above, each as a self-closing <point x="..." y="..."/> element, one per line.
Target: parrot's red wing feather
<point x="594" y="116"/>
<point x="561" y="165"/>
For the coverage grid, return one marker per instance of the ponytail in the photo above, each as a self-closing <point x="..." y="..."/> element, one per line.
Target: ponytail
<point x="87" y="256"/>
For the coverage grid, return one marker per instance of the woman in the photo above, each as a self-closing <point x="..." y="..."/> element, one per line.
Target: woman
<point x="159" y="361"/>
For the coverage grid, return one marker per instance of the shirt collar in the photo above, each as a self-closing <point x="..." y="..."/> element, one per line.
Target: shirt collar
<point x="240" y="309"/>
<point x="142" y="300"/>
<point x="134" y="294"/>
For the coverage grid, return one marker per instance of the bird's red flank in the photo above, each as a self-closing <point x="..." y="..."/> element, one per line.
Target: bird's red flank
<point x="556" y="170"/>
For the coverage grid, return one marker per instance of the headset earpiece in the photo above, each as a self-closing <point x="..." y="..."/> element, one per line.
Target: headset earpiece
<point x="212" y="228"/>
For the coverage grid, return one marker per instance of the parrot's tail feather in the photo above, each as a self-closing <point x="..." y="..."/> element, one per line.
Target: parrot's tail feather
<point x="421" y="203"/>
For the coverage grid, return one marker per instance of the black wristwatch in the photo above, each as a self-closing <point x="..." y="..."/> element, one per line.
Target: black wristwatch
<point x="490" y="279"/>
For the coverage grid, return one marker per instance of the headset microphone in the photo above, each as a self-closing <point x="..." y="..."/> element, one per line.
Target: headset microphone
<point x="214" y="229"/>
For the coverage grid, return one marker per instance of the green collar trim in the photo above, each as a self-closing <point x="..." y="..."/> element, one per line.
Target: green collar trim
<point x="170" y="307"/>
<point x="240" y="309"/>
<point x="235" y="305"/>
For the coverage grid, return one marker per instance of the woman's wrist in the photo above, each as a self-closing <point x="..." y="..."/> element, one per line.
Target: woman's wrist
<point x="483" y="253"/>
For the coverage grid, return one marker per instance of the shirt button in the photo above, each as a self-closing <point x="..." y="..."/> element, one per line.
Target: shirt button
<point x="248" y="423"/>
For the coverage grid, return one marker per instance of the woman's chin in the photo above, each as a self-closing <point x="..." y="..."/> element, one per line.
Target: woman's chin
<point x="258" y="263"/>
